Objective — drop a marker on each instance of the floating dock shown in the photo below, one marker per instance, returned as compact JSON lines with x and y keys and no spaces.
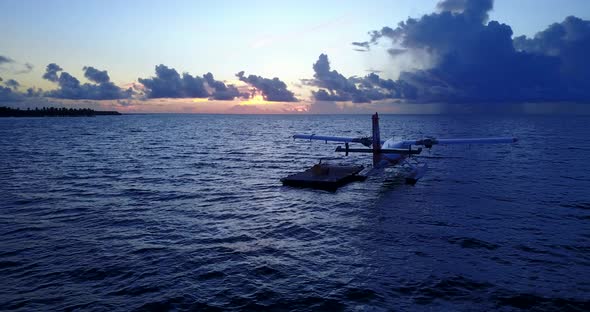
{"x":325,"y":177}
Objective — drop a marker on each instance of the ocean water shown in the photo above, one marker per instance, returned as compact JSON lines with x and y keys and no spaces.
{"x":186,"y":212}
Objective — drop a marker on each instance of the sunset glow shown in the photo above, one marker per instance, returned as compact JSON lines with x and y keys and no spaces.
{"x":257,"y":99}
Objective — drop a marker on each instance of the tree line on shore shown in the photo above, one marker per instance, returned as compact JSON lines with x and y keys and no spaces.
{"x":52,"y":112}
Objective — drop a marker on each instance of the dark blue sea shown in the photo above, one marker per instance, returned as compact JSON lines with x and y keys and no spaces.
{"x":187,"y":212}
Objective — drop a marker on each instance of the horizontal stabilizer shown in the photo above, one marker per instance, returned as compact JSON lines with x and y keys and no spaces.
{"x":364,"y":141}
{"x":429,"y":142}
{"x":400,"y":151}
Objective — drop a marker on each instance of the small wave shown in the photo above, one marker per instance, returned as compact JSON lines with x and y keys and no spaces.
{"x":136,"y":290}
{"x":211,"y":275}
{"x":26,"y":230}
{"x":534,"y":302}
{"x":266,"y":270}
{"x":436,"y":223}
{"x":9,"y":264}
{"x":470,"y":242}
{"x":581,"y":205}
{"x":309,"y":303}
{"x":575,"y":178}
{"x":361,"y":294}
{"x":532,"y":250}
{"x":455,"y":288}
{"x":178,"y":303}
{"x":290,"y":230}
{"x":228,"y":240}
{"x":149,"y":250}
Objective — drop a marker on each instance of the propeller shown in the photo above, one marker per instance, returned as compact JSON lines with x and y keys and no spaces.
{"x":366,"y":141}
{"x":428,"y":142}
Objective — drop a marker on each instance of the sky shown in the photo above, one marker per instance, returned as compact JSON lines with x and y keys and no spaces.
{"x":415,"y":65}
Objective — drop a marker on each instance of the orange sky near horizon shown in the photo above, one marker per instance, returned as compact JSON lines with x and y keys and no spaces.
{"x":256,"y":105}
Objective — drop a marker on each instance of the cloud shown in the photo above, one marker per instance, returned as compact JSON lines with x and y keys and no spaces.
{"x":125,"y":103}
{"x":9,"y":92}
{"x":273,"y":90}
{"x":71,"y":88}
{"x":169,"y":84}
{"x":11,"y":83}
{"x":5,"y":60}
{"x":26,"y":68}
{"x":222,"y":92}
{"x":32,"y":92}
{"x":395,"y":52}
{"x":13,"y":66}
{"x":335,"y":87}
{"x":51,"y":72}
{"x":95,"y":75}
{"x":472,"y":9}
{"x":8,"y":95}
{"x":363,"y":46}
{"x":569,"y":42}
{"x":471,"y":60}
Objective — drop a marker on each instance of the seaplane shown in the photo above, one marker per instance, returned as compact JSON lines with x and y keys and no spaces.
{"x":391,"y":153}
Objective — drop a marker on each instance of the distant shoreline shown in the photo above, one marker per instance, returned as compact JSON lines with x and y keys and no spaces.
{"x":54,"y":112}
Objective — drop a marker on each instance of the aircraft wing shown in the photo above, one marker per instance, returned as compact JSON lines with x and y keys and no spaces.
{"x":429,"y":142}
{"x":365,"y":141}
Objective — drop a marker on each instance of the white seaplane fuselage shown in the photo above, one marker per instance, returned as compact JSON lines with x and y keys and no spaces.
{"x":393,"y":159}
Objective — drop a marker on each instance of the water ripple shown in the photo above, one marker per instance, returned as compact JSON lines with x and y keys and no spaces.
{"x":186,"y":212}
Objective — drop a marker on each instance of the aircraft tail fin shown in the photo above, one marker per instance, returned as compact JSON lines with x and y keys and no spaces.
{"x":376,"y":141}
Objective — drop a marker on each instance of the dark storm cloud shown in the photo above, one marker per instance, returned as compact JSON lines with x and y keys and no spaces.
{"x":169,"y":84}
{"x":71,"y":88}
{"x":558,"y":38}
{"x":569,"y":42}
{"x":271,"y":89}
{"x":221,"y":91}
{"x":473,"y":60}
{"x":335,"y":87}
{"x":459,"y":20}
